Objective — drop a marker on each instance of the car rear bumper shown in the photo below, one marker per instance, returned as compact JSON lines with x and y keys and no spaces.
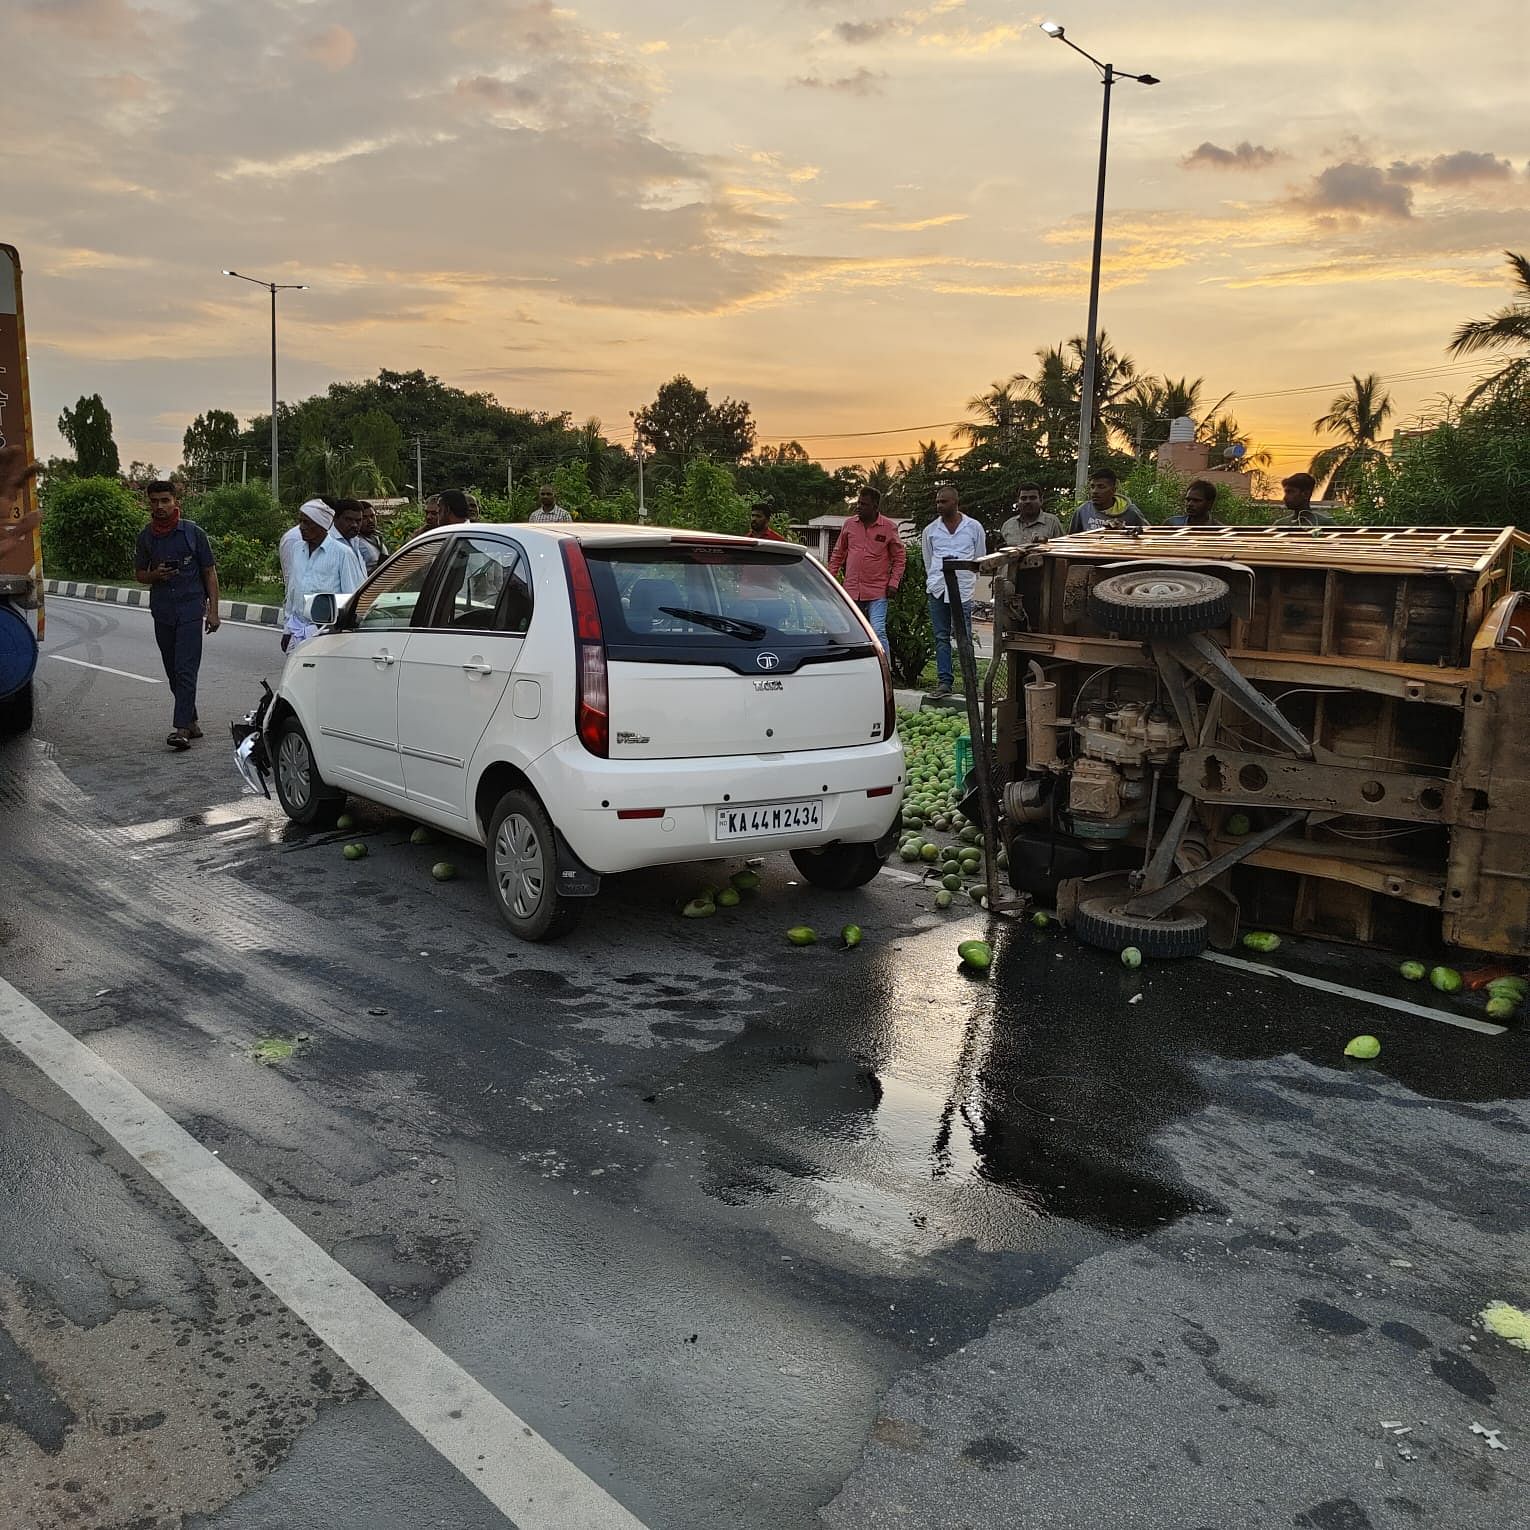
{"x":585,"y":795}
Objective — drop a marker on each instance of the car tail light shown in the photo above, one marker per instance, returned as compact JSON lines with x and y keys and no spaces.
{"x":889,"y":702}
{"x":879,"y":791}
{"x":592,"y":706}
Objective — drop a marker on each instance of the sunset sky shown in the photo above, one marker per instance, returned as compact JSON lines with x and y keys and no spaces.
{"x":852,"y":215}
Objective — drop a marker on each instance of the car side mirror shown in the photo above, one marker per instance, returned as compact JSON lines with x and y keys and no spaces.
{"x":323,"y":609}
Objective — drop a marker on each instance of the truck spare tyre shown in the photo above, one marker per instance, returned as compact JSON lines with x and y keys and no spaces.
{"x":1097,"y":923}
{"x":1159,"y":602}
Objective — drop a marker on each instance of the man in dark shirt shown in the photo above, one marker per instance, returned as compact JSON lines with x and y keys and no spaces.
{"x":175,"y":560}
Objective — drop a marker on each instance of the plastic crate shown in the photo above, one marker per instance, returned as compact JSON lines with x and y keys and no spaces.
{"x":963,"y":760}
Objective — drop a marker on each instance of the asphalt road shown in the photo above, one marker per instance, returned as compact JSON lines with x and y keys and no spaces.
{"x":751,"y":1236}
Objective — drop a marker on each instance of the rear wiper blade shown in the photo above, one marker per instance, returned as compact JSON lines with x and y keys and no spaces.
{"x":734,"y":626}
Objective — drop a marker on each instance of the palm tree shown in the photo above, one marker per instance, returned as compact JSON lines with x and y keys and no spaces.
{"x":1357,"y":418}
{"x":1221,"y":431}
{"x":1004,"y":414}
{"x":1141,"y":417}
{"x":881,"y":476}
{"x":1053,"y":389}
{"x":1504,"y":330}
{"x":1115,"y":373}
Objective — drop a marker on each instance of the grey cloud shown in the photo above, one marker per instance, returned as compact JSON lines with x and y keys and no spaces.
{"x":1243,"y":156}
{"x":494,"y":92}
{"x":1356,"y":188}
{"x":95,"y":20}
{"x":864,"y":82}
{"x":1458,"y":169}
{"x":864,"y":31}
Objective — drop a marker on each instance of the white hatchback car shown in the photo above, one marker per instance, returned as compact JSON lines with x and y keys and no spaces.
{"x":587,"y":699}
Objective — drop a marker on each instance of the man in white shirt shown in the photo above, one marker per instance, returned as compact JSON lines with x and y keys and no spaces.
{"x":951,"y":536}
{"x":322,"y":564}
{"x":548,"y":508}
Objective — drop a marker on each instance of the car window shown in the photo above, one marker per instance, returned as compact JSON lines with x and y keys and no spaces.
{"x":389,"y":600}
{"x":675,"y":594}
{"x":483,"y":588}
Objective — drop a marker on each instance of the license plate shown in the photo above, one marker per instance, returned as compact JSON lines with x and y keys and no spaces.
{"x":769,"y":818}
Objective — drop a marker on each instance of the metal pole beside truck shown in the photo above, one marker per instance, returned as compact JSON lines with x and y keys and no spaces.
{"x":21,"y":577}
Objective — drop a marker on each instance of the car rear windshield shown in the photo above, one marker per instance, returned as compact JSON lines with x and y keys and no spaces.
{"x":677,"y":596}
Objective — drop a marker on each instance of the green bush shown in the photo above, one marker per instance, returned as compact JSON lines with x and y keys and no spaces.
{"x":908,"y":624}
{"x":90,"y":528}
{"x":242,"y":561}
{"x":236,"y":509}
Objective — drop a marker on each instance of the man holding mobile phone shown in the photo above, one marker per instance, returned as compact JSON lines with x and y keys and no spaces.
{"x":175,"y":560}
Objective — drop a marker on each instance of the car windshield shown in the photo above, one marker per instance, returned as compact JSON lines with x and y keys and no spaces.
{"x":674,"y":595}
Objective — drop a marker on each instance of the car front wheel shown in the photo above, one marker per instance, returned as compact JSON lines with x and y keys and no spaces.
{"x":300,"y":789}
{"x":839,"y":867}
{"x":522,"y":854}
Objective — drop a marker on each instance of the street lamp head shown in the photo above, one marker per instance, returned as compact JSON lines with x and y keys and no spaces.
{"x":1052,"y":28}
{"x":1148,"y":79}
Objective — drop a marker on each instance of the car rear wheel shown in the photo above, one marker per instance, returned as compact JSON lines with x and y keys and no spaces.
{"x":300,"y":789}
{"x":839,"y":867}
{"x":522,"y":852}
{"x":1160,"y":602}
{"x":1096,"y":923}
{"x":16,"y":712}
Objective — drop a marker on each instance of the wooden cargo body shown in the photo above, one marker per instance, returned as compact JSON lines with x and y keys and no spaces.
{"x":1401,"y":653}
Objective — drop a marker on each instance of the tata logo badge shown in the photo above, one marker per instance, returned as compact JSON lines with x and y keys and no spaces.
{"x":766,"y":660}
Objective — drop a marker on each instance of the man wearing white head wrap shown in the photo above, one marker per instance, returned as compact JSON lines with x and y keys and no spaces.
{"x":323,"y":564}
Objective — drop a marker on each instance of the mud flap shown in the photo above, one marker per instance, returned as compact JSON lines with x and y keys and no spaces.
{"x":575,"y":879}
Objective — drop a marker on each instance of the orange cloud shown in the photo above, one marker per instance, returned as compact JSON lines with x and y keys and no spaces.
{"x":334,"y":48}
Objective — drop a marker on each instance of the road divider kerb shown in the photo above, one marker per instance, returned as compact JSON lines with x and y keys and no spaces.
{"x":138,"y":595}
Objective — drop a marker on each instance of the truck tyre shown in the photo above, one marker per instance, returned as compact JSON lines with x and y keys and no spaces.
{"x":1160,"y":603}
{"x":1097,"y":923}
{"x":838,"y":868}
{"x":522,"y":856}
{"x":16,"y":712}
{"x":300,"y":789}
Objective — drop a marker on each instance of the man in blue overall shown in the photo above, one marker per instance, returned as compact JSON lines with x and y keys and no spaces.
{"x":175,"y":560}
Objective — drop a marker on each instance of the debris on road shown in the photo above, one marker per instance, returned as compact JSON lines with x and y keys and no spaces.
{"x":278,"y":1049}
{"x":1509,"y":1323}
{"x":443,"y":871}
{"x":354,"y":852}
{"x":976,"y":954}
{"x":1490,"y":1436}
{"x":1131,"y":957}
{"x":1364,"y":1047}
{"x":850,"y":937}
{"x":801,"y":935}
{"x":1414,"y":972}
{"x":1261,"y":940}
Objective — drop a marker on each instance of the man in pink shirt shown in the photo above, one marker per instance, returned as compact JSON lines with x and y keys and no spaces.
{"x":872,"y":557}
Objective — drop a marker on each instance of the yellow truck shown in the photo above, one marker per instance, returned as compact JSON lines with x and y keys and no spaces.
{"x":21,"y":578}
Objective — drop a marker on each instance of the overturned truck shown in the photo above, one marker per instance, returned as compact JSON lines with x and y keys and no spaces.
{"x":1314,"y":730}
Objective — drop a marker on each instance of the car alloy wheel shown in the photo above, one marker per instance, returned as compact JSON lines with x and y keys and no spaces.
{"x":519,"y":867}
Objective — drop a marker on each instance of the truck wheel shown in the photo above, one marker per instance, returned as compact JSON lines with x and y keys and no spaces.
{"x":1160,"y":603}
{"x":300,"y":789}
{"x":1096,"y":923}
{"x":839,"y":868}
{"x":16,"y":712}
{"x":522,"y":854}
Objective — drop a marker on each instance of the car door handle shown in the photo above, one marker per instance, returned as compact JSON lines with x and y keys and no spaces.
{"x":478,"y":667}
{"x":382,"y":660}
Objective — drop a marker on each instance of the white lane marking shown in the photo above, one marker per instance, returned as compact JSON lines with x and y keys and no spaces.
{"x":106,"y":669}
{"x":1402,"y":1006}
{"x":513,"y":1467}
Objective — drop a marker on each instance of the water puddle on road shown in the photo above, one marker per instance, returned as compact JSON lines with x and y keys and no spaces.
{"x":905,"y":1107}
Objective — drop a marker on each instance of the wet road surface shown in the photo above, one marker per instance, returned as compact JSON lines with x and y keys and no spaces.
{"x":754,"y":1236}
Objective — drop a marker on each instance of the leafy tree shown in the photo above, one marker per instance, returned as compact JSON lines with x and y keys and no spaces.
{"x":704,"y":500}
{"x":909,"y":639}
{"x":1473,"y":469}
{"x":1221,"y":431}
{"x":90,"y":527}
{"x":235,"y":509}
{"x":1054,"y":388}
{"x":209,"y":445}
{"x":1004,"y":415}
{"x":796,"y":487}
{"x":375,"y":439}
{"x":682,"y":422}
{"x":1505,"y":330}
{"x":88,"y":429}
{"x":1357,"y":418}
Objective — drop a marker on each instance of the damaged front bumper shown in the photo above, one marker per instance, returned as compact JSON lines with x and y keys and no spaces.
{"x":249,"y":733}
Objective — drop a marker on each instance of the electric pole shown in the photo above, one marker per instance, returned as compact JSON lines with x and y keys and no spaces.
{"x":419,"y":475}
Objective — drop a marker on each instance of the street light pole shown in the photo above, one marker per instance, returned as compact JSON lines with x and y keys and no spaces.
{"x":1109,"y":74}
{"x":273,"y":288}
